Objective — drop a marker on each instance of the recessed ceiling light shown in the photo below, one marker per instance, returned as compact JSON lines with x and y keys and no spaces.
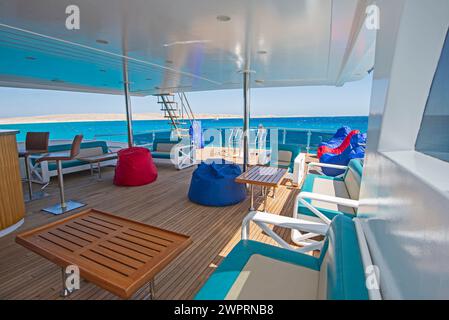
{"x":262,"y":52}
{"x":223,"y":18}
{"x":185,"y":42}
{"x":30,"y":58}
{"x":101,"y":41}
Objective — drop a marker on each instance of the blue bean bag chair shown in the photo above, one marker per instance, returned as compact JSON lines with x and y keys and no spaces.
{"x":338,"y":138}
{"x":355,"y":150}
{"x":214,"y":185}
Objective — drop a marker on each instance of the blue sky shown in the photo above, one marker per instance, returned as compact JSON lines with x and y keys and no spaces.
{"x":351,"y":99}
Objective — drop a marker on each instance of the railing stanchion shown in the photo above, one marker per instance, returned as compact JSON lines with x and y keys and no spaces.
{"x":309,"y":136}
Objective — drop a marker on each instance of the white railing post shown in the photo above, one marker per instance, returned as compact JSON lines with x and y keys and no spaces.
{"x":309,"y":137}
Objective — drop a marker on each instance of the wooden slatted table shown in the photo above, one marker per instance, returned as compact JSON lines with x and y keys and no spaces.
{"x":266,"y":177}
{"x":114,"y":253}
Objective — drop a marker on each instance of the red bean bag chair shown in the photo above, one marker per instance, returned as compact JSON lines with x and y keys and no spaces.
{"x":135,"y":167}
{"x":325,"y":149}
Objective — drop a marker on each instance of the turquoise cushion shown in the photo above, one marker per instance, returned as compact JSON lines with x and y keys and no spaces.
{"x":355,"y":165}
{"x":84,"y":145}
{"x":160,"y":155}
{"x":308,"y":187}
{"x":161,"y":140}
{"x":221,"y":281}
{"x":66,"y":164}
{"x":294,"y":149}
{"x":345,"y":273}
{"x":67,"y":147}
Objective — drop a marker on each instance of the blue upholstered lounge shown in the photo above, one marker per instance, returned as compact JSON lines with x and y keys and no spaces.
{"x":347,"y":187}
{"x":254,"y":270}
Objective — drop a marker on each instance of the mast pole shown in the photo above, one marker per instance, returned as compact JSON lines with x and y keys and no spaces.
{"x":129,"y":116}
{"x":246,"y":117}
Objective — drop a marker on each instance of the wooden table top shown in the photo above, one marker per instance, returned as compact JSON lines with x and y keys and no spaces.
{"x":99,"y":158}
{"x":263,"y":176}
{"x":114,"y":253}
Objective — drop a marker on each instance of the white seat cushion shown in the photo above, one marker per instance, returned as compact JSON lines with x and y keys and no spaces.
{"x":257,"y":281}
{"x":164,"y":147}
{"x":90,"y":152}
{"x":334,"y":188}
{"x":352,"y":182}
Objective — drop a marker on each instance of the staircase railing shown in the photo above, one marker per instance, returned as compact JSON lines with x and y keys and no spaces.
{"x":186,"y":110}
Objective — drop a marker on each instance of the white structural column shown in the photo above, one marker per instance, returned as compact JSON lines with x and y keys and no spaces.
{"x":246,"y":117}
{"x":129,"y":117}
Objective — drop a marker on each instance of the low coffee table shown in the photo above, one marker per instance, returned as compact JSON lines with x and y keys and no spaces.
{"x":117,"y":254}
{"x":97,"y":160}
{"x":266,"y":177}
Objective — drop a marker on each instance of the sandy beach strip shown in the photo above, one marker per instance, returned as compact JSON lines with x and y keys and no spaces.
{"x":101,"y":117}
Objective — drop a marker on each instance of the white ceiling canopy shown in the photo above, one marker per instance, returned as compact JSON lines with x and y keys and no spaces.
{"x":183,"y":45}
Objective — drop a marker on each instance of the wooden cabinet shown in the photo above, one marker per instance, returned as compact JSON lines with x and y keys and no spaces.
{"x":12,"y":206}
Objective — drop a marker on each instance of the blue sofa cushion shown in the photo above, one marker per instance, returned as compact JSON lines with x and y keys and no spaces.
{"x":214,"y":185}
{"x":340,"y":256}
{"x":165,"y":141}
{"x":160,"y":155}
{"x":67,"y":147}
{"x":345,"y":273}
{"x":356,"y":166}
{"x":66,"y":164}
{"x":221,"y":281}
{"x":295,"y":151}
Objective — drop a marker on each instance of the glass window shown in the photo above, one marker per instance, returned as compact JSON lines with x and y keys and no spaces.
{"x":433,"y":137}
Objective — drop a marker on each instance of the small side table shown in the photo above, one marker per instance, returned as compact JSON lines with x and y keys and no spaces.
{"x":97,"y":160}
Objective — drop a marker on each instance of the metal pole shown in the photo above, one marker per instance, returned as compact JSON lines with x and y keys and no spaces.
{"x":61,"y":184}
{"x":129,"y":118}
{"x":246,"y":118}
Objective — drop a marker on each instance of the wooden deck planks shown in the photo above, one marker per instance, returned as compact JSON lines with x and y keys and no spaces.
{"x":214,"y":231}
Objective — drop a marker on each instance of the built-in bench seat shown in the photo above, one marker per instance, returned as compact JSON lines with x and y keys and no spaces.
{"x":88,"y":149}
{"x":322,"y":197}
{"x":184,"y":156}
{"x":346,"y":187}
{"x":257,"y":271}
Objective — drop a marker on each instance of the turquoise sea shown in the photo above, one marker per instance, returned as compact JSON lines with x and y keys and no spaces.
{"x":116,"y":130}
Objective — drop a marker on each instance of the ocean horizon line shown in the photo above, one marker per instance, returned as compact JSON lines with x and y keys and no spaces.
{"x":111,"y":117}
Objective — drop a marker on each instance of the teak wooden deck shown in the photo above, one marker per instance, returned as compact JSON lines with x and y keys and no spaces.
{"x":115,"y":253}
{"x":164,"y":204}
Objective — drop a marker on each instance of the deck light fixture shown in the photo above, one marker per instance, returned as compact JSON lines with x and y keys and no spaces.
{"x":185,"y":42}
